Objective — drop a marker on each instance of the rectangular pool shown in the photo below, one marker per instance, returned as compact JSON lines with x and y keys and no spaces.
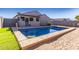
{"x":34,"y":32}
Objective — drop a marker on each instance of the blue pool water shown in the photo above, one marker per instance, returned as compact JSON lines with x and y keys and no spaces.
{"x":40,"y":31}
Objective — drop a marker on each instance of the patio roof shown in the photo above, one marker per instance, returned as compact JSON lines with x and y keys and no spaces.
{"x":32,"y":14}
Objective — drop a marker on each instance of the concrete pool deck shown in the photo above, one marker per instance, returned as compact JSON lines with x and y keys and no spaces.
{"x":69,"y":41}
{"x":28,"y":43}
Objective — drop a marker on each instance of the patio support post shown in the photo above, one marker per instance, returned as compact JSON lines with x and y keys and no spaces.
{"x":17,"y":26}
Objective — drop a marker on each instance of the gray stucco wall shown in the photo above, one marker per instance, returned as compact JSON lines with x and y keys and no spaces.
{"x":44,"y":20}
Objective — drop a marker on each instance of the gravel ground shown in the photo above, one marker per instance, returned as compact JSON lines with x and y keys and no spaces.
{"x":69,"y":41}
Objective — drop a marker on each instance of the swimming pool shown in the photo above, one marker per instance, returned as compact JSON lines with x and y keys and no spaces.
{"x":34,"y":32}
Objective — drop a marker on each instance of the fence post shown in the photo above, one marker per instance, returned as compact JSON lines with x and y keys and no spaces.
{"x":1,"y":22}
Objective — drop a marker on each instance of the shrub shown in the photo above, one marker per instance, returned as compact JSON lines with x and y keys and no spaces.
{"x":49,"y":24}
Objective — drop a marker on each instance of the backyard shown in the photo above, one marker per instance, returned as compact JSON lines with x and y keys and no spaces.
{"x":8,"y":40}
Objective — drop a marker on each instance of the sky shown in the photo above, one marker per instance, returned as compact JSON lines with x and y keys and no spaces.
{"x":51,"y":12}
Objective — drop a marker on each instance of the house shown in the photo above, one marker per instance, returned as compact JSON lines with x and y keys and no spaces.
{"x":63,"y":22}
{"x":33,"y":18}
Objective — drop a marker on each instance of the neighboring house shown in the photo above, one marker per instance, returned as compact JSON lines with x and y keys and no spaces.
{"x":33,"y":18}
{"x":63,"y":21}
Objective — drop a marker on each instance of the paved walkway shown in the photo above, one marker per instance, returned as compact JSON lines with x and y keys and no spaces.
{"x":68,"y":41}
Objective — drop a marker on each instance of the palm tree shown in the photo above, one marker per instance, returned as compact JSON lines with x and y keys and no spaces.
{"x":77,"y":17}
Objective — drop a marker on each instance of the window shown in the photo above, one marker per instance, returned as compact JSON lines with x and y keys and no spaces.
{"x":22,"y":18}
{"x":37,"y":19}
{"x":26,"y":20}
{"x":31,"y":19}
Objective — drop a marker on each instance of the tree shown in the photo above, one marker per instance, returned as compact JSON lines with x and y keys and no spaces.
{"x":77,"y":17}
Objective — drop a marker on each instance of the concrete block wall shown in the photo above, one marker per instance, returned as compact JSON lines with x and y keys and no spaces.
{"x":8,"y":23}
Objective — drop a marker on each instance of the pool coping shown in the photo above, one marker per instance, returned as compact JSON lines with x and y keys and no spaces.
{"x":26,"y":43}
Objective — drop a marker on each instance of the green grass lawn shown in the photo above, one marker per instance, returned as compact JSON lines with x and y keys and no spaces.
{"x":7,"y":40}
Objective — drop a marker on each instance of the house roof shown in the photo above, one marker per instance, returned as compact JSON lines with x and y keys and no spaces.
{"x":32,"y":13}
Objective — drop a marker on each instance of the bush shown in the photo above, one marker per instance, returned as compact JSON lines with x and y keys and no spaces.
{"x":49,"y":24}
